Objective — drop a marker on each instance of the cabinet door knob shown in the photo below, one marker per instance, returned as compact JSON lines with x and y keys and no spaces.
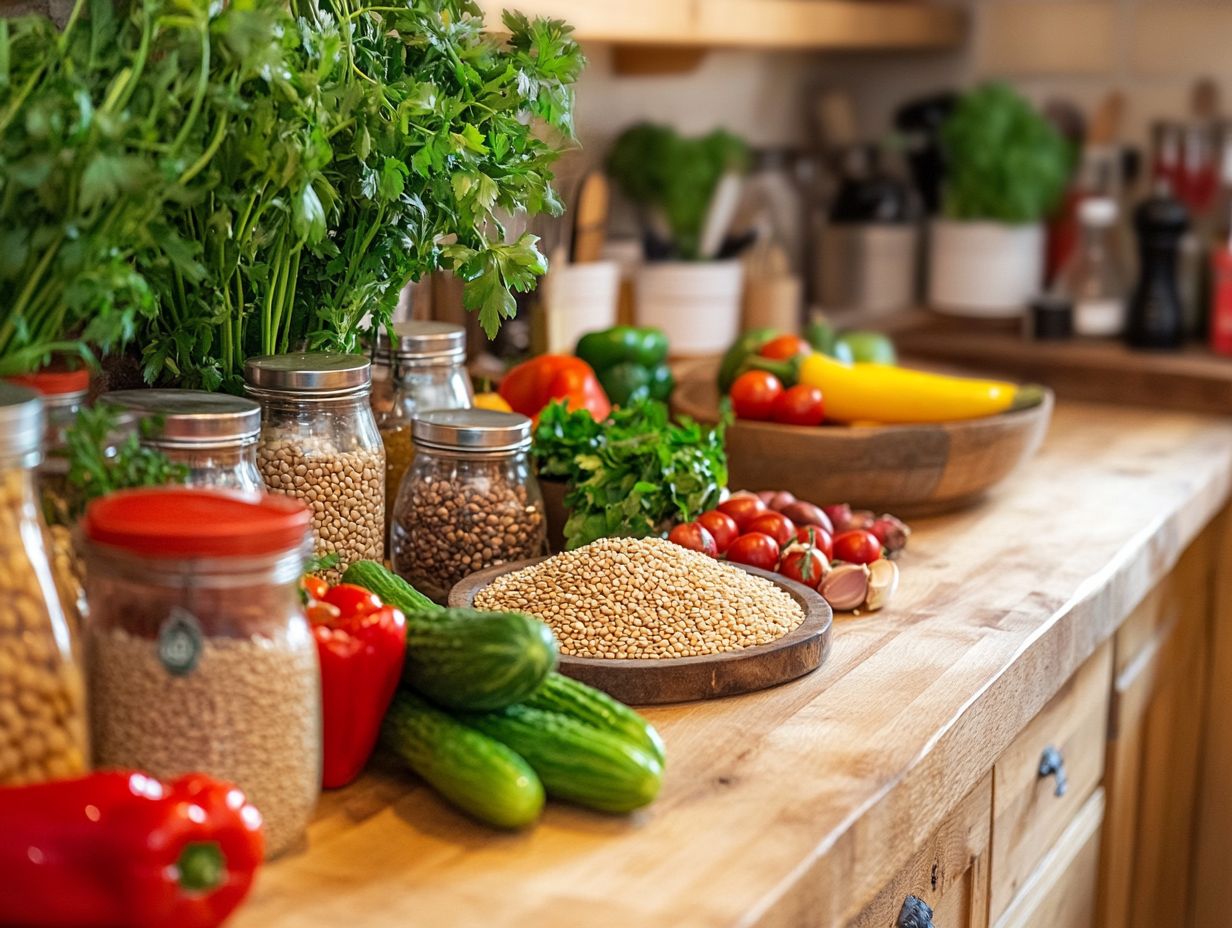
{"x":915,"y":913}
{"x":1052,"y":764}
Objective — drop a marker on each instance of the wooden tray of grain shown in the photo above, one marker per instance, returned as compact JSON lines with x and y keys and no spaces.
{"x":653,"y":681}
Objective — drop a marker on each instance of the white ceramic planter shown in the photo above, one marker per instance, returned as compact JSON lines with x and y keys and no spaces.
{"x":579,"y":298}
{"x":695,"y":303}
{"x":986,"y":269}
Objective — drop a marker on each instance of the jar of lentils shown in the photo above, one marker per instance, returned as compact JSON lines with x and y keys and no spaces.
{"x":319,"y":443}
{"x":469,"y":501}
{"x":198,"y":651}
{"x":42,"y":696}
{"x":212,"y":434}
{"x":416,"y":366}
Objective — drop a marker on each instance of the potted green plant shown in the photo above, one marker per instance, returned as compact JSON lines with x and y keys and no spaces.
{"x":198,"y":182}
{"x":685,"y":190}
{"x":1006,"y":168}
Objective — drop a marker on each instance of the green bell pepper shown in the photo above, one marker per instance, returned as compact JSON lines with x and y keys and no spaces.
{"x":631,"y":362}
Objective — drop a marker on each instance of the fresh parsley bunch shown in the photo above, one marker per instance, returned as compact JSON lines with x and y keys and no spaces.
{"x":633,"y":474}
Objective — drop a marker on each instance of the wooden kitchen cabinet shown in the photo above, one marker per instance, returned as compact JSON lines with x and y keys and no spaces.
{"x":799,"y":24}
{"x":949,"y":874}
{"x":1154,"y":750}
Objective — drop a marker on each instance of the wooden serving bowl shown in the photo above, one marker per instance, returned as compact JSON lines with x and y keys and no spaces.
{"x":904,"y":469}
{"x":647,"y":682}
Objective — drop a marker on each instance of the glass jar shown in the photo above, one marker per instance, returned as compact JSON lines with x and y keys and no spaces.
{"x":319,"y":443}
{"x":424,"y":366}
{"x":212,"y":434}
{"x":63,"y":393}
{"x":42,"y":697}
{"x":199,"y":655}
{"x":469,"y":501}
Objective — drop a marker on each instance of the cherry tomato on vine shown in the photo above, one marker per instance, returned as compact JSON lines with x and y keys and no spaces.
{"x":755,"y":549}
{"x":804,"y":565}
{"x":800,"y":405}
{"x":753,"y":394}
{"x":817,"y":537}
{"x":785,"y":347}
{"x":857,"y":547}
{"x":776,"y":525}
{"x":743,"y":510}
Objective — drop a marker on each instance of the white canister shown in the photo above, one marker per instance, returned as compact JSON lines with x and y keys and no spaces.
{"x":579,"y":298}
{"x":695,"y":303}
{"x":986,"y":269}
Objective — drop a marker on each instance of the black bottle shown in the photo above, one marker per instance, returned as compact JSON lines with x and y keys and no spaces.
{"x":1156,"y":319}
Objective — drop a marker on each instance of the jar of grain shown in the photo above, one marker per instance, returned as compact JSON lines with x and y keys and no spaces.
{"x":421,"y":366}
{"x":42,"y":698}
{"x":319,"y":443}
{"x":212,"y":434}
{"x":469,"y":501}
{"x":198,"y":652}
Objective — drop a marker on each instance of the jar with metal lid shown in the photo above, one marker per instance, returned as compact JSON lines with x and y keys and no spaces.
{"x":469,"y":501}
{"x":319,"y":443}
{"x":424,"y":365}
{"x":63,"y":393}
{"x":199,"y":655}
{"x":214,"y":435}
{"x":42,"y":697}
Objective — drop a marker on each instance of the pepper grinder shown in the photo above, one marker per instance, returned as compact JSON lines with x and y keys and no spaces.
{"x":1156,"y":318}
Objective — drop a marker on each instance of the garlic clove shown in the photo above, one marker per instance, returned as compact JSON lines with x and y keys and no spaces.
{"x":845,"y":586}
{"x":882,"y":582}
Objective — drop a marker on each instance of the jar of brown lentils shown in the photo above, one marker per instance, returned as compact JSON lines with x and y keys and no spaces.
{"x":469,"y":501}
{"x":42,"y":696}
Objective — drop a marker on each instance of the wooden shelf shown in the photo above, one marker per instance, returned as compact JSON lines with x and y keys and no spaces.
{"x":793,"y":24}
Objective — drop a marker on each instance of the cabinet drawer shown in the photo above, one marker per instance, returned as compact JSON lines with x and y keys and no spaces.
{"x":949,"y":873}
{"x":1028,"y":814}
{"x":1061,"y":892}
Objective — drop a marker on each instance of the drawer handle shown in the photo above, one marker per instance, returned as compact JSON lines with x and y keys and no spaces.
{"x":915,"y":913}
{"x":1052,"y":764}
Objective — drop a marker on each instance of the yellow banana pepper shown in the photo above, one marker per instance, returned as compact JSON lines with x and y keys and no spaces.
{"x":492,"y":401}
{"x":888,"y":394}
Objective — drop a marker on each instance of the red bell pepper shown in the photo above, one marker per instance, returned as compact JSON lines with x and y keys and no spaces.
{"x":533,"y":384}
{"x":120,"y":849}
{"x":361,"y":644}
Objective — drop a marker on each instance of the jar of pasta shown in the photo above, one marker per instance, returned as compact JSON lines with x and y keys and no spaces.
{"x":42,"y":699}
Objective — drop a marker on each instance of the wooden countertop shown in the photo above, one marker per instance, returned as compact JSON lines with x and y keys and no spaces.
{"x":792,"y":806}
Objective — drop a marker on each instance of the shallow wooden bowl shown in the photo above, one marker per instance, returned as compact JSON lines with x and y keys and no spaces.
{"x":684,"y":679}
{"x":903,"y":469}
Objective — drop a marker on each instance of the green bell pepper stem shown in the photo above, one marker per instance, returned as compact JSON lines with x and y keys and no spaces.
{"x":747,"y":344}
{"x":788,"y":372}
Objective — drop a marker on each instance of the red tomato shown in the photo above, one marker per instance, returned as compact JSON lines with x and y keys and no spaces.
{"x":695,"y":537}
{"x":804,"y":565}
{"x":721,"y":526}
{"x":857,"y":547}
{"x":743,"y":510}
{"x":801,"y":405}
{"x":352,"y":600}
{"x":785,"y":347}
{"x":756,"y":550}
{"x":817,"y":537}
{"x":315,"y":587}
{"x":776,"y":525}
{"x":753,"y":394}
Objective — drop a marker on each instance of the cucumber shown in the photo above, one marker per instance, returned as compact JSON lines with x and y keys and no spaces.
{"x":575,"y":761}
{"x":477,"y":661}
{"x":391,"y":588}
{"x":599,"y":710}
{"x":479,"y":775}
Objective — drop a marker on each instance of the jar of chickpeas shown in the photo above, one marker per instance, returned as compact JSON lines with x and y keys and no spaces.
{"x":42,"y":698}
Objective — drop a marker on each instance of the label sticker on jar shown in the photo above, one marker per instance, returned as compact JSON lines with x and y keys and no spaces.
{"x":179,"y":642}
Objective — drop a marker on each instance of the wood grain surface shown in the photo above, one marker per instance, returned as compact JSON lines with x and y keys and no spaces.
{"x":904,"y":469}
{"x":795,"y":805}
{"x":684,"y":679}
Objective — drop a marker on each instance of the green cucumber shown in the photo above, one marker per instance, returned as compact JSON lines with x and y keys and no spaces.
{"x":477,"y":661}
{"x":599,"y":710}
{"x":478,"y":774}
{"x":575,"y":761}
{"x":392,"y":589}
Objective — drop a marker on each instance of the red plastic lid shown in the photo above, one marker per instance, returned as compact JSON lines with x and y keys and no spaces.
{"x":54,"y":383}
{"x":185,"y":522}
